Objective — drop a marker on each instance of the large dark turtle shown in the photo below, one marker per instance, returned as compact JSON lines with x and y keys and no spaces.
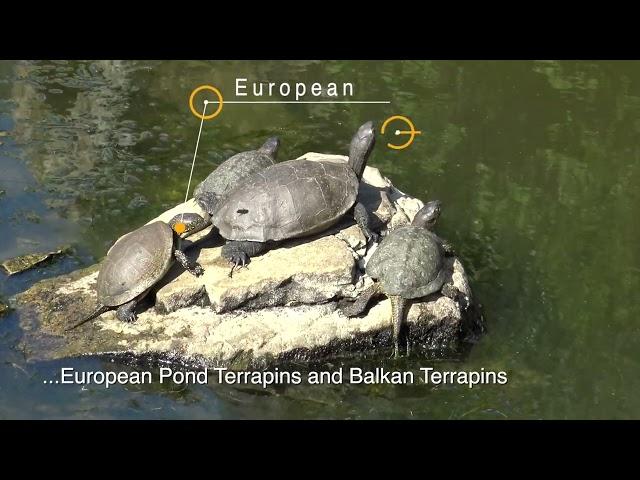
{"x":139,"y":260}
{"x":293,"y":199}
{"x":232,"y":171}
{"x":408,"y":264}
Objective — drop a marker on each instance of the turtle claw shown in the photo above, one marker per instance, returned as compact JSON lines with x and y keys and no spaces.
{"x":127,"y":316}
{"x":239,"y":259}
{"x":126,"y":312}
{"x":197,"y":270}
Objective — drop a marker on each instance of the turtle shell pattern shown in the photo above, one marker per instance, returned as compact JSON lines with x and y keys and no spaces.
{"x":287,"y":200}
{"x":135,"y":263}
{"x":408,"y":263}
{"x":230,"y":172}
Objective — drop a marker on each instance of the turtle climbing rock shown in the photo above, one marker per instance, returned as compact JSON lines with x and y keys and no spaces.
{"x":139,"y":260}
{"x":233,"y":171}
{"x":408,"y":264}
{"x":293,"y":199}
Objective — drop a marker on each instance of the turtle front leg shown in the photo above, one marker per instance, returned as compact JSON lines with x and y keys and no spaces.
{"x":194,"y":268}
{"x":361,"y":216}
{"x":239,"y":252}
{"x":126,"y":312}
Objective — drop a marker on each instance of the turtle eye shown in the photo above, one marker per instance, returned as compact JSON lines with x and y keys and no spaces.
{"x":242,"y":211}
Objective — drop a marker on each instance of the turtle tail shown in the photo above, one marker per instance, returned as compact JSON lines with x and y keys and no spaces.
{"x":100,"y":309}
{"x":397,"y":316}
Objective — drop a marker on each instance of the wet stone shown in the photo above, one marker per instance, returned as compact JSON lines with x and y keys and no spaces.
{"x":26,"y":262}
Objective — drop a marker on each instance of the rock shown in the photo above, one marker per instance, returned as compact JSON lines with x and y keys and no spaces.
{"x":4,"y":309}
{"x":297,"y":273}
{"x":280,"y":308}
{"x":239,"y":339}
{"x":409,"y":206}
{"x":399,"y":219}
{"x":362,"y":261}
{"x":385,"y":209}
{"x":353,"y":236}
{"x":27,"y":262}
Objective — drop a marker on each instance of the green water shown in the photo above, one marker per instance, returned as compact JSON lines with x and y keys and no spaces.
{"x":536,"y":163}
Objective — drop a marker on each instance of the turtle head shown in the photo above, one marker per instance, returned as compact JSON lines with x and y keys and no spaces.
{"x":361,"y":146}
{"x":428,"y":215}
{"x":270,"y":147}
{"x":185,"y":224}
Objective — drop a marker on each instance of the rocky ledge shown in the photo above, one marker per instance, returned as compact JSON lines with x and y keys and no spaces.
{"x":280,"y":309}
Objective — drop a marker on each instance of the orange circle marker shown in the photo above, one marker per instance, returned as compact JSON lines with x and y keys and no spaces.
{"x":412,"y":132}
{"x":210,"y":89}
{"x":180,"y":228}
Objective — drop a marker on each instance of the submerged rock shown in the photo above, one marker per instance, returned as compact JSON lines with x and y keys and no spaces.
{"x":280,"y":308}
{"x":27,"y":262}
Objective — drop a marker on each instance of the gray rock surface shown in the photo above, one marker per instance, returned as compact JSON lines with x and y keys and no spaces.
{"x":281,"y":308}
